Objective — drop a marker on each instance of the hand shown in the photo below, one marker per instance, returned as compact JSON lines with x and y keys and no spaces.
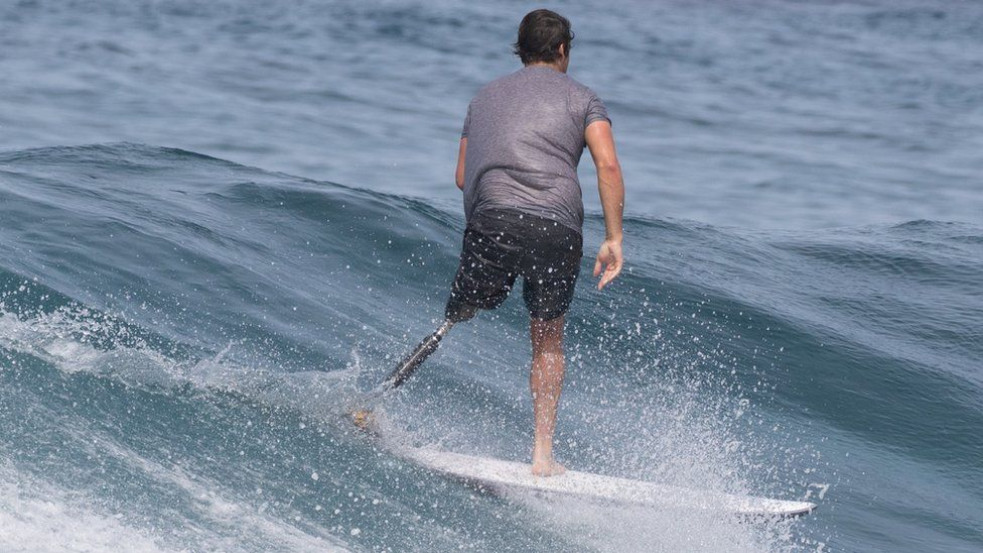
{"x":610,"y":258}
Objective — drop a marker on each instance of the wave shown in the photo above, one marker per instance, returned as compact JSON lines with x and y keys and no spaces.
{"x":190,"y":315}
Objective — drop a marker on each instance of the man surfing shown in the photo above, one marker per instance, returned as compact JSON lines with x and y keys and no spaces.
{"x":517,"y":166}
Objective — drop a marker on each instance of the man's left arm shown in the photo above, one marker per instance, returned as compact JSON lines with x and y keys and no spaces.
{"x":461,"y":154}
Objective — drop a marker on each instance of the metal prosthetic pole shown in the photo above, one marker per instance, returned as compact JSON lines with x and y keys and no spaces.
{"x":412,"y":361}
{"x":363,"y":418}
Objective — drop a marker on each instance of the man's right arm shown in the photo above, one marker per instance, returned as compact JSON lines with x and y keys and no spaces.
{"x":611,"y":188}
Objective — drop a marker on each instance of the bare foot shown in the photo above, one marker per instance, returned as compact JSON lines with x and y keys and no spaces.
{"x":547,"y":468}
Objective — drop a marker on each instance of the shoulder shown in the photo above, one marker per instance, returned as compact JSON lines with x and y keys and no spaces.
{"x":581,"y":89}
{"x":588,"y":103}
{"x":505,"y":81}
{"x":584,"y":99}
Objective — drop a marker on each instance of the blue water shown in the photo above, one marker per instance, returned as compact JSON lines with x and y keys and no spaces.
{"x":222,"y":223}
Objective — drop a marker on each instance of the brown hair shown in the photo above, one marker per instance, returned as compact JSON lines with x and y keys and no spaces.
{"x":541,"y":33}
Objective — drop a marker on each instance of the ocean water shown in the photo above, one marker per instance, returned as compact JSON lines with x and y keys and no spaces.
{"x":222,"y":223}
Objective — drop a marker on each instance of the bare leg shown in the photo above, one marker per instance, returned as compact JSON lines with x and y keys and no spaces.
{"x":546,"y":383}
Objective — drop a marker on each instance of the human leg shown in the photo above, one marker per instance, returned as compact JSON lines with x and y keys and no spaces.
{"x":550,"y":269}
{"x":546,"y":383}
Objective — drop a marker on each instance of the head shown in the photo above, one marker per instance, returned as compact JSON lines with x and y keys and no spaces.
{"x":544,"y":37}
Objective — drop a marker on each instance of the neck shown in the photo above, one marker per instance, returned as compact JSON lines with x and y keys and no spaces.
{"x":555,"y":66}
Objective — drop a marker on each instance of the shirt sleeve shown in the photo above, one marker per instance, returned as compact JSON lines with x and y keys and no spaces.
{"x":595,"y":110}
{"x":467,"y":123}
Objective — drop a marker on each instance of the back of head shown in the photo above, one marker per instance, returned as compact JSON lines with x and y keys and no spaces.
{"x":541,"y":33}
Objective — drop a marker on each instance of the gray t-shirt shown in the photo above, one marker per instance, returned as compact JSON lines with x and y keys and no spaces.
{"x":525,"y":137}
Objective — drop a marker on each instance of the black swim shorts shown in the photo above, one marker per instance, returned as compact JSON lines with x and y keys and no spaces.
{"x":502,"y":245}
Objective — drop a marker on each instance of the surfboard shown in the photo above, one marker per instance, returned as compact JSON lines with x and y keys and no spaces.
{"x":503,"y":477}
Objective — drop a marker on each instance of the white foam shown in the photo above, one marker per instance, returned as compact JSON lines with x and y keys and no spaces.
{"x":38,"y":516}
{"x":63,"y":339}
{"x":629,"y":530}
{"x":35,"y":518}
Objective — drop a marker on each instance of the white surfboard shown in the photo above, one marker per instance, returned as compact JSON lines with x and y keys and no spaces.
{"x":498,"y":476}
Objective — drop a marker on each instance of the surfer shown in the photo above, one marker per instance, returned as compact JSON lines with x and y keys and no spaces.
{"x":517,"y":166}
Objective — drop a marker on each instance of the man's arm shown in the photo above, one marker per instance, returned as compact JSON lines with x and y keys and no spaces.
{"x":459,"y":173}
{"x":611,"y":188}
